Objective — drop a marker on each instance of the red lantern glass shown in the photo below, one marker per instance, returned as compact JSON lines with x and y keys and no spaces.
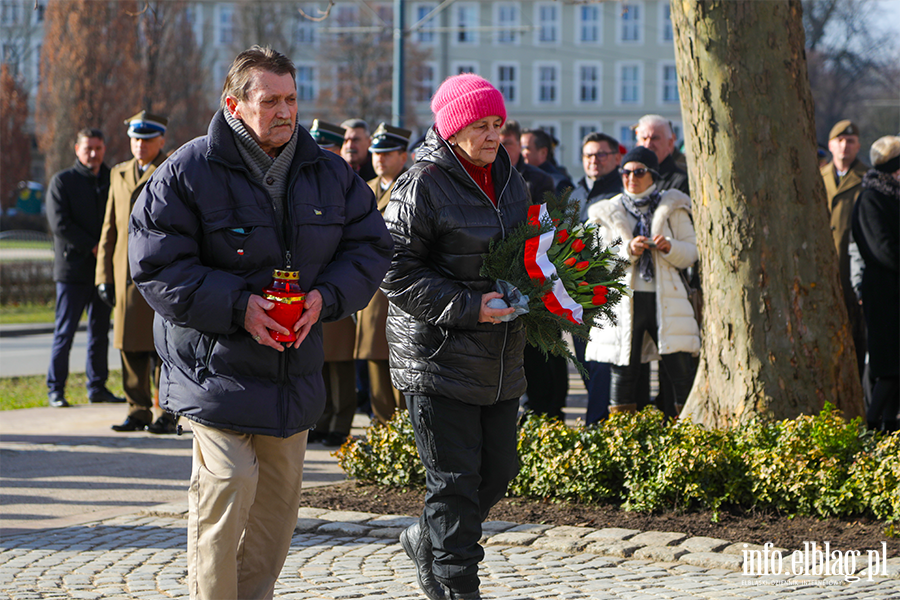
{"x":289,"y":300}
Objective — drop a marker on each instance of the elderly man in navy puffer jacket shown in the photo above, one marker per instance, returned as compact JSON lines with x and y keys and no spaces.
{"x":214,"y":221}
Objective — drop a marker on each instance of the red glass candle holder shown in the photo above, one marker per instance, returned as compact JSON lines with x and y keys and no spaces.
{"x":289,"y":300}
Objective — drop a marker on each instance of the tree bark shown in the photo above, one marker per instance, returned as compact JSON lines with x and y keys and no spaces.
{"x":776,"y":338}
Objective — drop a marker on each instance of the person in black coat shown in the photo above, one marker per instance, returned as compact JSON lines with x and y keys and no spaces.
{"x":459,"y":365}
{"x":876,"y":230}
{"x":547,"y":376}
{"x":76,"y":203}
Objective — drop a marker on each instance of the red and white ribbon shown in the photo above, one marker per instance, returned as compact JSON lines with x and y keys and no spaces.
{"x":540,"y":267}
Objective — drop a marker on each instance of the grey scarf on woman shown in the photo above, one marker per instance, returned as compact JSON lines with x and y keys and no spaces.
{"x":632,"y":205}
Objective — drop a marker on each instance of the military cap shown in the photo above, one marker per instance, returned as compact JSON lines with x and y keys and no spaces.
{"x":388,"y":138}
{"x":327,"y":135}
{"x":845,"y":127}
{"x":146,"y":125}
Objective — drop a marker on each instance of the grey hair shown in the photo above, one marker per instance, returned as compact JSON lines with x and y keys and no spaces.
{"x":657,"y":120}
{"x":355,"y":124}
{"x":884,"y":149}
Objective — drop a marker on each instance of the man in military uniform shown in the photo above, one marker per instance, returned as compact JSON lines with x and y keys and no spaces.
{"x":843,"y":183}
{"x":133,"y":318}
{"x":327,"y":135}
{"x":389,"y":158}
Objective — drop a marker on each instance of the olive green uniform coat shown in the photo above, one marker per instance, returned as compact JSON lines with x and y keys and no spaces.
{"x":133,"y":318}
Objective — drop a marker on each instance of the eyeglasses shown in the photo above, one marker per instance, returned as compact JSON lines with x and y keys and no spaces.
{"x":640,"y":172}
{"x":599,"y":155}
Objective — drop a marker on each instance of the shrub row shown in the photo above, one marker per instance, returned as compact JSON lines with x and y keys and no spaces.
{"x":812,"y":465}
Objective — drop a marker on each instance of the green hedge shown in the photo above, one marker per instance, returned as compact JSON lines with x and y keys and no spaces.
{"x":812,"y":465}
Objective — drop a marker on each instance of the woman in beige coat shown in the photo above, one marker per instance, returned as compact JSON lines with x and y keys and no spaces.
{"x":658,"y":240}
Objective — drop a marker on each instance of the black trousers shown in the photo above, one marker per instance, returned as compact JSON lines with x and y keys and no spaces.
{"x":469,"y":453}
{"x":882,"y":412}
{"x":679,"y":366}
{"x":548,"y":383}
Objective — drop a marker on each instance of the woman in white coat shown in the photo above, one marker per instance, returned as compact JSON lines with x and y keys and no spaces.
{"x":658,"y":240}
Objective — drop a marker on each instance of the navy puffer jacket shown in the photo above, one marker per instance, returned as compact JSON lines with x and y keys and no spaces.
{"x":442,"y":223}
{"x":204,"y":238}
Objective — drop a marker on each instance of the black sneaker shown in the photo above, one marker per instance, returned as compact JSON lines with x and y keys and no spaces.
{"x":57,"y":400}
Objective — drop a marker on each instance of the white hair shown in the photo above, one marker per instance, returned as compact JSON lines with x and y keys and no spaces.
{"x":884,"y":149}
{"x":655,"y":121}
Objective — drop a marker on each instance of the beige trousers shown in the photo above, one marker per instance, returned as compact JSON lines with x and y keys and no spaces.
{"x":242,"y":510}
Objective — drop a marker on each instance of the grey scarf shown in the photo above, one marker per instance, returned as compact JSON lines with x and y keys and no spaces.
{"x":270,"y":172}
{"x":632,"y":205}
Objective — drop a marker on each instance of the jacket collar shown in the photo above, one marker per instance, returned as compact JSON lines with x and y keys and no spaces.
{"x":611,"y":182}
{"x":83,"y":170}
{"x":222,"y":146}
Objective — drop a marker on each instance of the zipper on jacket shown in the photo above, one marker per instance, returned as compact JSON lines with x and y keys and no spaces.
{"x":502,"y":235}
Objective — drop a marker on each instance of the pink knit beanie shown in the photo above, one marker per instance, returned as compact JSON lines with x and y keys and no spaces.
{"x":463,"y":99}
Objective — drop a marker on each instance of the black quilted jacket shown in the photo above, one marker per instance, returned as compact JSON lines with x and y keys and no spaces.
{"x":442,"y":223}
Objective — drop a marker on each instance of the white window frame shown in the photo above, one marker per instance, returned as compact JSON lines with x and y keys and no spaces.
{"x":661,"y":38}
{"x":579,"y":24}
{"x":10,"y":12}
{"x":539,"y":65}
{"x":576,"y":91}
{"x":456,"y":65}
{"x":221,"y":9}
{"x":513,"y":25}
{"x":576,"y":132}
{"x":629,"y":140}
{"x":641,"y":24}
{"x":433,"y":83}
{"x":660,"y":78}
{"x":426,"y":30}
{"x":517,"y":82}
{"x":556,"y":25}
{"x":457,"y":8}
{"x":640,"y":82}
{"x":313,"y":82}
{"x":554,"y":128}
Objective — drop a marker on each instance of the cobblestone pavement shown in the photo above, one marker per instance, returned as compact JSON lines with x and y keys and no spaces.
{"x":342,"y":555}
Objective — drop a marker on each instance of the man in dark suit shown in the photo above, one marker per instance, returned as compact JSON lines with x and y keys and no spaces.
{"x":76,"y":202}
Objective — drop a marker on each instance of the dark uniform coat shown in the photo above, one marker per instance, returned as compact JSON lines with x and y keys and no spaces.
{"x":132,"y":316}
{"x":371,"y":340}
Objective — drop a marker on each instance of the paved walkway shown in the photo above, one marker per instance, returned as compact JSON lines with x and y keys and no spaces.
{"x":87,"y":513}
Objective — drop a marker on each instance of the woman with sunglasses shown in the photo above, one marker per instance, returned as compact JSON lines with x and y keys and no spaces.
{"x":657,"y":238}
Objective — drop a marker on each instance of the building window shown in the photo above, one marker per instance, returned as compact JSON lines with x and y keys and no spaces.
{"x":583,"y":129}
{"x":629,"y":83}
{"x":225,"y":25}
{"x":547,"y":17}
{"x":9,"y":12}
{"x":668,"y":83}
{"x":220,"y":70}
{"x":626,"y":134}
{"x":666,"y":34}
{"x":588,"y":78}
{"x":39,"y":8}
{"x":547,"y":78}
{"x":466,"y":17}
{"x":458,"y":68}
{"x":426,"y":85}
{"x":37,"y":65}
{"x":11,"y":58}
{"x":553,"y":128}
{"x":589,"y":24}
{"x":508,"y":81}
{"x":424,"y":34}
{"x":631,"y":23}
{"x":506,"y":18}
{"x":304,"y":29}
{"x":306,"y":83}
{"x":193,"y":15}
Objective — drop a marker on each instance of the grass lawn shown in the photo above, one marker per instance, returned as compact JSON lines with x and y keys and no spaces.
{"x":27,"y":313}
{"x":31,"y":391}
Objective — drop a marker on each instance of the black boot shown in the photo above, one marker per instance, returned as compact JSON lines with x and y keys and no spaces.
{"x":417,"y":544}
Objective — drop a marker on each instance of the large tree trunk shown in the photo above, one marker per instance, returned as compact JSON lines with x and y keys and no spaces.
{"x":776,"y":339}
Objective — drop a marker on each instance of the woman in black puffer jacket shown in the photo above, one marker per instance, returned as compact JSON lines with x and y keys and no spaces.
{"x":459,"y":366}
